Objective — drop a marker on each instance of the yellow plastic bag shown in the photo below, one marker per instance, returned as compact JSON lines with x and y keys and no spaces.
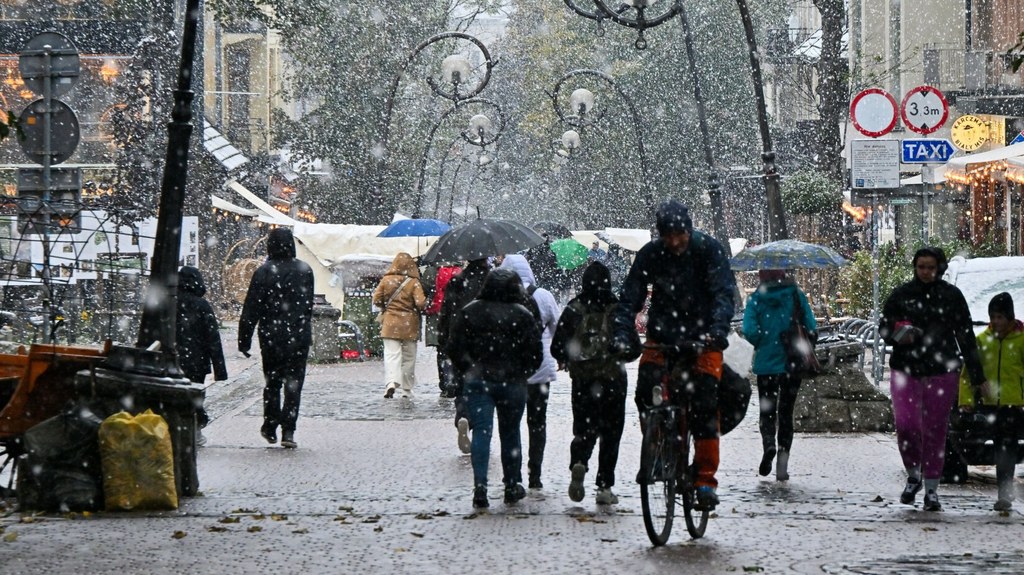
{"x":138,"y":462}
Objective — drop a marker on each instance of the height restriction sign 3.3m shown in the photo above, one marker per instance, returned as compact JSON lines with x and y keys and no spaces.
{"x":874,"y":112}
{"x":924,"y":110}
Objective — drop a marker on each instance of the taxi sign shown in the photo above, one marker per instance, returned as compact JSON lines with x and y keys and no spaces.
{"x":926,"y":151}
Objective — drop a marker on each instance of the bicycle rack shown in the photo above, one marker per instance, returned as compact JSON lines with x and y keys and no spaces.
{"x":349,"y":330}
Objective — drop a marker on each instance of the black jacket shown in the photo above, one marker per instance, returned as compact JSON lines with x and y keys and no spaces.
{"x":198,"y":336}
{"x":596,"y":296}
{"x":940,"y":311}
{"x":462,"y":289}
{"x":279,"y":301}
{"x":495,"y":338}
{"x":691,"y":294}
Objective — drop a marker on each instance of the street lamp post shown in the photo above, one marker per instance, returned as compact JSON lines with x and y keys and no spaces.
{"x":641,"y":20}
{"x":582,"y":103}
{"x":456,"y":73}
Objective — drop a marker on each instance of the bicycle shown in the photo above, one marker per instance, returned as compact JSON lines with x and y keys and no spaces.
{"x":667,"y":442}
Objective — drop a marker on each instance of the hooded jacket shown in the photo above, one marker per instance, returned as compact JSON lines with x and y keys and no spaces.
{"x":548,"y":310}
{"x":198,"y":335}
{"x":596,"y":296}
{"x":402,"y":315}
{"x":495,"y":338}
{"x":1003,"y":362}
{"x":940,"y":311}
{"x":461,"y":290}
{"x":767,"y":316}
{"x":279,"y":301}
{"x":691,"y":293}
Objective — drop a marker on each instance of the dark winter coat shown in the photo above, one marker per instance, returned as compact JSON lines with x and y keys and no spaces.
{"x":691,"y":294}
{"x":940,"y":311}
{"x":768,"y":315}
{"x":596,"y":296}
{"x":279,"y":301}
{"x":198,"y":335}
{"x":495,"y":338}
{"x":462,"y":289}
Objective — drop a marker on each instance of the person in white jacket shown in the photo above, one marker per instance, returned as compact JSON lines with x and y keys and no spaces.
{"x":540,"y":382}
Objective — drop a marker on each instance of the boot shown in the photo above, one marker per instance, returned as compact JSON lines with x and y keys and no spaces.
{"x":766,"y":461}
{"x":1004,"y":479}
{"x":782,"y":466}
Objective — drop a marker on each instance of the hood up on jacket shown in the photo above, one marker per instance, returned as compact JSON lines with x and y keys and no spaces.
{"x":280,"y":244}
{"x":503,"y":285}
{"x":190,"y":280}
{"x":404,"y":265}
{"x":596,"y":285}
{"x":519,"y":264}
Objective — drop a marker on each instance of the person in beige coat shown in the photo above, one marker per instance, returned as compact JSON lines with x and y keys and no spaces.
{"x":401,"y":296}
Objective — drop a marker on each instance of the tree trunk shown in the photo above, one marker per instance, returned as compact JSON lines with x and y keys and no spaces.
{"x":832,"y":102}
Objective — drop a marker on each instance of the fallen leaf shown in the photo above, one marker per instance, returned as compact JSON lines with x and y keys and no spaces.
{"x":401,"y":550}
{"x":930,"y":528}
{"x":10,"y":537}
{"x":341,"y":518}
{"x":254,"y":529}
{"x":301,"y":531}
{"x":278,"y":516}
{"x":864,"y":529}
{"x":877,"y":499}
{"x":372,"y":519}
{"x":441,"y":514}
{"x":345,"y":508}
{"x":609,"y":540}
{"x":414,"y":534}
{"x":28,"y":519}
{"x":216,"y":528}
{"x":229,"y":520}
{"x":244,"y":510}
{"x":259,"y":517}
{"x":378,"y":529}
{"x":424,"y":516}
{"x":753,"y":569}
{"x":179,"y":535}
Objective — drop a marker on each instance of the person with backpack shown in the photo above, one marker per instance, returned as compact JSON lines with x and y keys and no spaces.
{"x":545,"y":308}
{"x":581,"y":345}
{"x":434,"y":281}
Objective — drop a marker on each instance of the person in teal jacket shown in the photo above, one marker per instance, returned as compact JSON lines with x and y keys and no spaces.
{"x":1001,"y":347}
{"x":767,"y":315}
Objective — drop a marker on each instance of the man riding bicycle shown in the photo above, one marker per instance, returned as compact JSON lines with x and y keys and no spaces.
{"x":692,"y":291}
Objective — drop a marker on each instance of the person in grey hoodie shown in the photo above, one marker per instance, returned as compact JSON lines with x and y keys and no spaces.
{"x":539,"y":384}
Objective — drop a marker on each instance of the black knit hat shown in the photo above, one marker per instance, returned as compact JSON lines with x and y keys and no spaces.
{"x":673,"y":217}
{"x":1002,"y":303}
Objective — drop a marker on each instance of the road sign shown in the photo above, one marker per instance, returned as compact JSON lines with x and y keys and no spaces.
{"x":875,"y":164}
{"x":64,"y":132}
{"x":873,"y":112}
{"x":924,"y":110}
{"x":1017,"y":139}
{"x":54,"y":208}
{"x":49,"y":57}
{"x":926,"y":151}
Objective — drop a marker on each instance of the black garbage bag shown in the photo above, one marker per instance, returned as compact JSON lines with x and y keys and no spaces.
{"x":733,"y":398}
{"x":61,"y":469}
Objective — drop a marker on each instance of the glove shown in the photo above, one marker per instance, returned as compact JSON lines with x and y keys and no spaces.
{"x":714,"y":342}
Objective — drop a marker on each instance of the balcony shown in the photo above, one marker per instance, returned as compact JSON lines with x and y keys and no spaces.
{"x":956,"y":70}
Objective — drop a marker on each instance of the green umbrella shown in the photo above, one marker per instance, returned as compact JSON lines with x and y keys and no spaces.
{"x":569,"y":253}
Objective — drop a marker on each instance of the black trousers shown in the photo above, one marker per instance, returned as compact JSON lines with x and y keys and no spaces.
{"x":777,"y":394}
{"x":1007,"y":432}
{"x":202,"y":418}
{"x":598,"y":414}
{"x":285,"y":373}
{"x":537,"y":425}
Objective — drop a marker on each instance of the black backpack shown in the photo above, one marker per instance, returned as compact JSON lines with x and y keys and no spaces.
{"x":590,"y":342}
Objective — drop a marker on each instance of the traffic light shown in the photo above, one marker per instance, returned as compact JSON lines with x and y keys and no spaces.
{"x":60,"y":211}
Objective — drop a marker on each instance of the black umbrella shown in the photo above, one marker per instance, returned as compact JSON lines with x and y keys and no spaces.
{"x":554,"y":230}
{"x":482,"y":238}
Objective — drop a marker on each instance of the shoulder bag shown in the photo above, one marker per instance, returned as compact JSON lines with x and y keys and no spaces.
{"x":799,"y":345}
{"x":380,"y":315}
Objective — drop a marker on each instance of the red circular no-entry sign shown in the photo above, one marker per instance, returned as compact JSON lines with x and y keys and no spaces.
{"x":874,"y":112}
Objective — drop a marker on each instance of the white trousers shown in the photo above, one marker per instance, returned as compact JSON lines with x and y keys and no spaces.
{"x":400,"y":363}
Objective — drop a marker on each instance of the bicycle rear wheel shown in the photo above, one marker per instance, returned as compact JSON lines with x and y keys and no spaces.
{"x":696,"y":519}
{"x":658,"y":485}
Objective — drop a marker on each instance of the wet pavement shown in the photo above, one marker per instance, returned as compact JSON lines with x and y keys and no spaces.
{"x":379,"y":486}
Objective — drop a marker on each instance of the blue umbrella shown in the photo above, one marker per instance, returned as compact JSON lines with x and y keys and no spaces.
{"x":786,"y":255}
{"x":414,"y":227}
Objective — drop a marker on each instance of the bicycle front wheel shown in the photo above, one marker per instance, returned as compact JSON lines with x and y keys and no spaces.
{"x":658,"y":483}
{"x":696,"y":519}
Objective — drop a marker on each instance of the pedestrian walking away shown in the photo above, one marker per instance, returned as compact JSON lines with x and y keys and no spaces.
{"x":495,"y":343}
{"x":1001,"y":397}
{"x":539,"y":384}
{"x":928,"y":325}
{"x":400,"y":295}
{"x":198,"y":338}
{"x":435,"y":281}
{"x":279,"y":304}
{"x":769,"y":312}
{"x":582,"y":346}
{"x":462,"y":289}
{"x":691,"y":296}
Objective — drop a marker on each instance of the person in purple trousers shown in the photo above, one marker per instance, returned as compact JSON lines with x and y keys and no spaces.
{"x":928,"y":325}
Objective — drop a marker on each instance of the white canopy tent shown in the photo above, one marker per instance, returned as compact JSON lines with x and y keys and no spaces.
{"x":959,"y":170}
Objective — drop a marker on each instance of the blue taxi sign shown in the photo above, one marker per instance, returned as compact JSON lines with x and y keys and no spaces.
{"x":926,"y":151}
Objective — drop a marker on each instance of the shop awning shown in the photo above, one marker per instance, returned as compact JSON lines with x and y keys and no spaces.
{"x":1015,"y":170}
{"x":959,"y":170}
{"x":229,"y":156}
{"x":265,"y":212}
{"x":222,"y":204}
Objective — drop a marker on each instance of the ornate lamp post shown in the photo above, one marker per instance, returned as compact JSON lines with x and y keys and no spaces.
{"x":636,"y":14}
{"x":585,"y":113}
{"x":456,"y":74}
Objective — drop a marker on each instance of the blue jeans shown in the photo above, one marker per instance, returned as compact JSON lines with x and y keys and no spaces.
{"x":482,"y":398}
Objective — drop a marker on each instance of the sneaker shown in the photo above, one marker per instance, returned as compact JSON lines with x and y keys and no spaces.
{"x":269,"y":433}
{"x":766,"y":462}
{"x":576,"y":489}
{"x":535,"y":483}
{"x":707,"y":499}
{"x":389,"y":392}
{"x":480,"y":497}
{"x":1003,"y":505}
{"x":931,"y":501}
{"x":465,"y":444}
{"x":200,"y":439}
{"x":514,"y":493}
{"x":406,"y":394}
{"x":288,"y":440}
{"x":606,"y":497}
{"x":910,"y":491}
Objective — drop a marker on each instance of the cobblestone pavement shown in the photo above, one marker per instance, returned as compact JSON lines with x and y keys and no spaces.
{"x":379,"y":486}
